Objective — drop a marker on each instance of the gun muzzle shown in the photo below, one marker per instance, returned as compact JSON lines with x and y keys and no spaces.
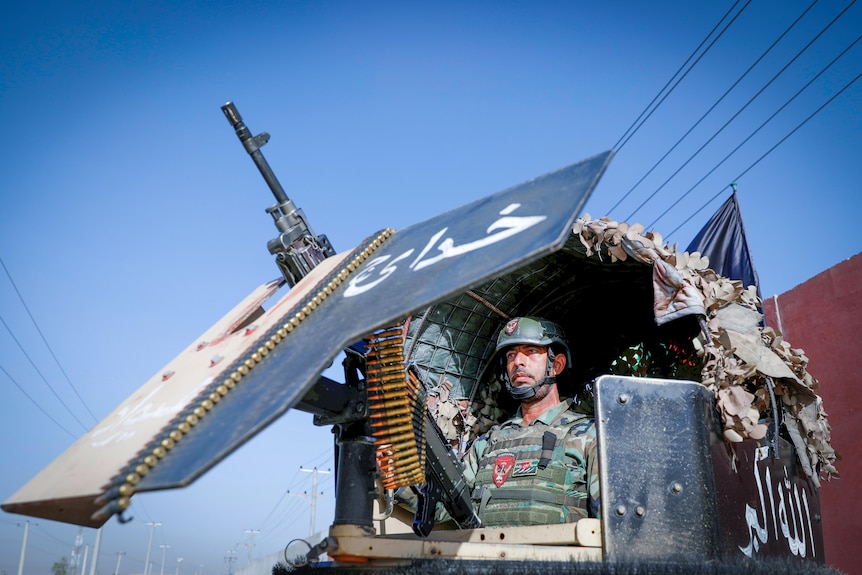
{"x":297,"y":248}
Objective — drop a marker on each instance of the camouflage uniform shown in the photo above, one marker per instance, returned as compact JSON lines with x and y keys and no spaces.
{"x":546,"y":472}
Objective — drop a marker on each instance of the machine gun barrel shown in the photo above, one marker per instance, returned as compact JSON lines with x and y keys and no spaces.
{"x":252,"y":145}
{"x":297,"y":249}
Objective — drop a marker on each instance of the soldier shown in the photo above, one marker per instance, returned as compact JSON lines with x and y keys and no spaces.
{"x":540,"y":466}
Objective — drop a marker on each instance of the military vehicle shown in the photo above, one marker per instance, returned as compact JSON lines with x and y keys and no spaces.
{"x":712,"y":439}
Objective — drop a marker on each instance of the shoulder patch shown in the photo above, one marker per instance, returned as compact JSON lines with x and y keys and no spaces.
{"x":503,"y":467}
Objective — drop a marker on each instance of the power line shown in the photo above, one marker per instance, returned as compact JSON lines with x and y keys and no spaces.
{"x":627,"y":136}
{"x":29,"y":359}
{"x":829,"y":101}
{"x":45,"y":341}
{"x":732,"y":118}
{"x":769,"y":151}
{"x":675,"y":74}
{"x":274,"y":507}
{"x":807,"y":84}
{"x":273,"y":519}
{"x":49,"y":535}
{"x":281,"y":522}
{"x":711,"y":108}
{"x":27,"y":395}
{"x":139,"y":505}
{"x":280,"y":499}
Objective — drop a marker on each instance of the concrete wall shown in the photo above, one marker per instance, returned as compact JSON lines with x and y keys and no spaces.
{"x":823,"y":316}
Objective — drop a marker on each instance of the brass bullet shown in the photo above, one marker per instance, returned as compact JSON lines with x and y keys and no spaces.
{"x":399,"y":428}
{"x":390,"y":413}
{"x":393,"y":421}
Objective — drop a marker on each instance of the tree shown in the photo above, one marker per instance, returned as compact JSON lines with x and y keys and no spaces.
{"x":60,"y":567}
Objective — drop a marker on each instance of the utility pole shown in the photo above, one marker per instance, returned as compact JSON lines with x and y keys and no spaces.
{"x":23,"y":548}
{"x":149,"y":546}
{"x":84,"y":563}
{"x":229,"y":558}
{"x":119,"y":557}
{"x":314,"y":473}
{"x":96,"y":546}
{"x":164,"y":550}
{"x":250,"y":544}
{"x":76,"y":551}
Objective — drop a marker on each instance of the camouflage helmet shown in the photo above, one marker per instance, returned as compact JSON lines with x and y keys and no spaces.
{"x":535,"y":330}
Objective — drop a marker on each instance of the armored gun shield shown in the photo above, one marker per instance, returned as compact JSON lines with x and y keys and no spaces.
{"x":256,"y":363}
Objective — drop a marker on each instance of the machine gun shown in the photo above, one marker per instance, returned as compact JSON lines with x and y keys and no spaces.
{"x":298,"y":250}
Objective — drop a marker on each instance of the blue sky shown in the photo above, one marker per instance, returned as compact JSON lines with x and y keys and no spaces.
{"x":131,"y":218}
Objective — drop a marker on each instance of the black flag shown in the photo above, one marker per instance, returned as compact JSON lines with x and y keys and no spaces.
{"x":723,"y":241}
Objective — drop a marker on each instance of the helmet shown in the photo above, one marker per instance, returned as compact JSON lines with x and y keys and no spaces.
{"x":535,"y":330}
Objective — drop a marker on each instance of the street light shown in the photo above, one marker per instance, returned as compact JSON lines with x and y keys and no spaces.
{"x":229,"y":558}
{"x":119,"y":558}
{"x":179,"y":559}
{"x":164,"y":550}
{"x":152,"y":526}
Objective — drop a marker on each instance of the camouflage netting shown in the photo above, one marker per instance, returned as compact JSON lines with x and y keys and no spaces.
{"x":630,"y":305}
{"x":744,"y":362}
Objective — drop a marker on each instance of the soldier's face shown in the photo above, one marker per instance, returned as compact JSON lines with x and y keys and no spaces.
{"x":526,"y":364}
